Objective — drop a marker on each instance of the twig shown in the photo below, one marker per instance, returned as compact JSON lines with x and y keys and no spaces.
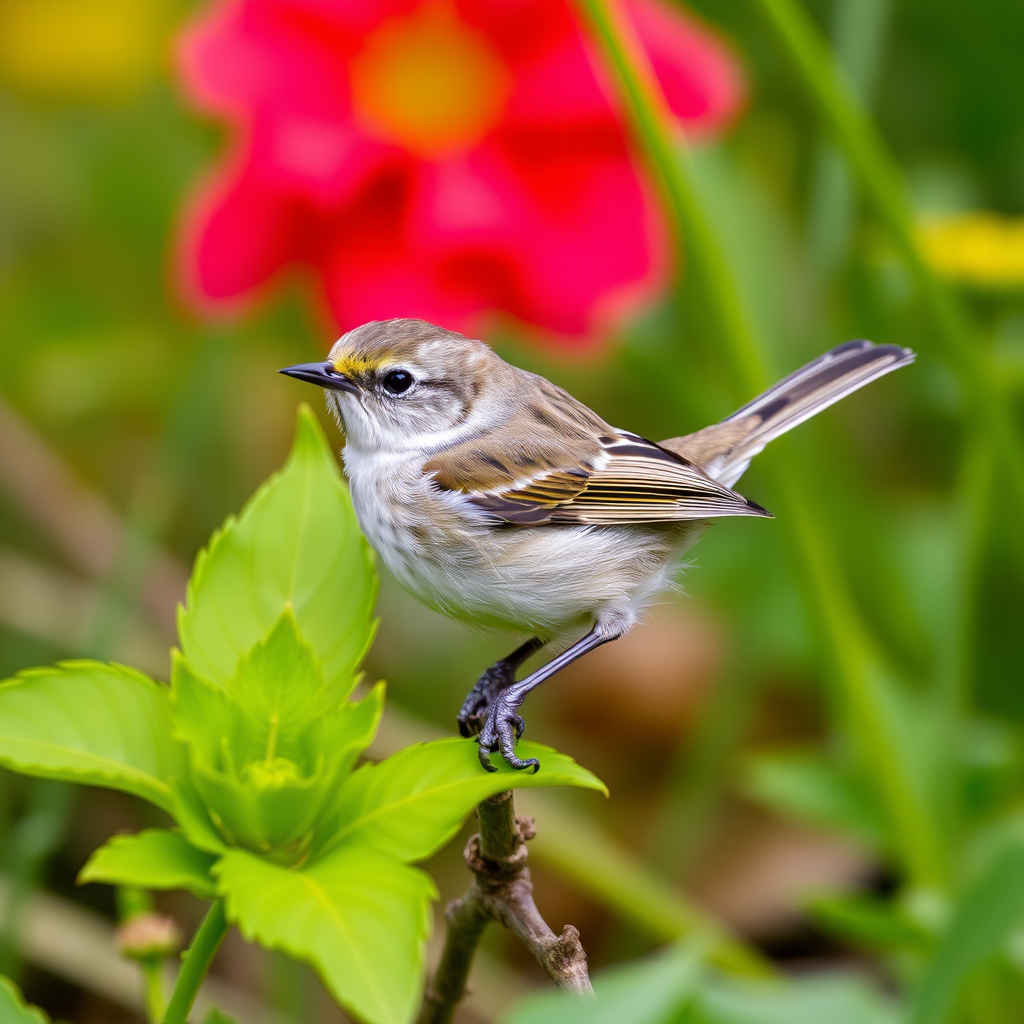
{"x":501,"y":891}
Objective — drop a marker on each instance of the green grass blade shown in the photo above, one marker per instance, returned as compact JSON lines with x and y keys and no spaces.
{"x":981,"y":924}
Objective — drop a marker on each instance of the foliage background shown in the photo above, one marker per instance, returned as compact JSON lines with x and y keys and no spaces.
{"x":166,"y":423}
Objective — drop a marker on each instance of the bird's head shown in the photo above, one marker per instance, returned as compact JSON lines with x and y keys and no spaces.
{"x":399,"y":385}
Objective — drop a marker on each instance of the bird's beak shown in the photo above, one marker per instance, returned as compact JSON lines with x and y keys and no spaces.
{"x":323,"y":374}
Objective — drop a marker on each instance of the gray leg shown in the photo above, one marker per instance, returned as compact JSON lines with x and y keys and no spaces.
{"x":503,"y":725}
{"x":498,"y":677}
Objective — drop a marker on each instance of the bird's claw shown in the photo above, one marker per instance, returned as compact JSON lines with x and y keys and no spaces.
{"x":480,"y":699}
{"x":469,"y":718}
{"x":502,"y":727}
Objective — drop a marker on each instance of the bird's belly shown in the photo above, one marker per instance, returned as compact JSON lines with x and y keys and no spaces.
{"x":552,"y":580}
{"x":545,"y":580}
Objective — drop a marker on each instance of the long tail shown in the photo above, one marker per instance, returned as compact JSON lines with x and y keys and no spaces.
{"x":724,"y":450}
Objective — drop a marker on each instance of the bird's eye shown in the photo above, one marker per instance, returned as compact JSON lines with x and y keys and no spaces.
{"x":397,"y":381}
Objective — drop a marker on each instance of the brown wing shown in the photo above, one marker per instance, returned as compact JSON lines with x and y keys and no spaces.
{"x":610,"y":478}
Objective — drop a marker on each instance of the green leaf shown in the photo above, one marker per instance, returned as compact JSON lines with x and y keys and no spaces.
{"x":360,"y":919}
{"x":13,"y":1009}
{"x":835,"y":998}
{"x":348,"y":731}
{"x":414,"y":802}
{"x":805,"y":785}
{"x":286,"y":709}
{"x":269,"y":750}
{"x":153,"y":859}
{"x":88,"y":722}
{"x":270,"y":807}
{"x":981,"y":923}
{"x":280,"y":691}
{"x":202,"y":715}
{"x":648,"y":991}
{"x":296,"y":543}
{"x":865,"y":921}
{"x":194,"y":818}
{"x":215,"y":1016}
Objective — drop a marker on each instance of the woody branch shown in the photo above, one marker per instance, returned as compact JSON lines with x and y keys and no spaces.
{"x":501,"y":891}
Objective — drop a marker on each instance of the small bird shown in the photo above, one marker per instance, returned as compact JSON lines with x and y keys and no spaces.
{"x":498,"y":499}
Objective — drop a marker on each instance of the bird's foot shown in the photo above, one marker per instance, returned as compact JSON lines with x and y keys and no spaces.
{"x":477,"y":704}
{"x":501,"y":728}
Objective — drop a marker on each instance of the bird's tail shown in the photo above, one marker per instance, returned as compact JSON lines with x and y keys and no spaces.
{"x":724,"y":450}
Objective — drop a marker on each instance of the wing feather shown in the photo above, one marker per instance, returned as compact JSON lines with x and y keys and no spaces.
{"x":628,"y":480}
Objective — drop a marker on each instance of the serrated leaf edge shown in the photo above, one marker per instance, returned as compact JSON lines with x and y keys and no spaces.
{"x":159,"y":791}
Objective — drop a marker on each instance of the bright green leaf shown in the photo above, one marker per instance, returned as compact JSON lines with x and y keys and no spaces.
{"x":280,"y":690}
{"x":270,"y":807}
{"x":153,"y":859}
{"x":414,"y":802}
{"x":13,"y":1009}
{"x":266,"y":764}
{"x":296,"y":543}
{"x":202,"y":714}
{"x":194,"y":818}
{"x":88,"y":722}
{"x":348,"y":731}
{"x":360,"y":919}
{"x":805,"y":785}
{"x":648,"y":991}
{"x":980,"y":924}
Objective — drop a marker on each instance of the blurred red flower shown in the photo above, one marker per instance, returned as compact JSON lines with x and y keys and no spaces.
{"x":434,"y":159}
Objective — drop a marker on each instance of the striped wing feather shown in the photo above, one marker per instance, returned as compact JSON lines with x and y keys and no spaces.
{"x":630,"y":480}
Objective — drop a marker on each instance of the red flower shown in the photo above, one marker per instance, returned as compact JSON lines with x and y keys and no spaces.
{"x":433,"y":159}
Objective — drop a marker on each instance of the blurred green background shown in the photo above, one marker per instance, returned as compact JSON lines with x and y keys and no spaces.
{"x":129,"y":430}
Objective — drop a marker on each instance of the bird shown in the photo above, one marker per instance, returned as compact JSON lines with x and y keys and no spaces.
{"x":497,"y":498}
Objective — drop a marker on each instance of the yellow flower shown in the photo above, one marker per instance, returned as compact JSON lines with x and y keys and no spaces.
{"x":978,"y":248}
{"x":80,"y":50}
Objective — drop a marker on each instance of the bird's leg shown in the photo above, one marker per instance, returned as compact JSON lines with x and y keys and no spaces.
{"x":503,"y":726}
{"x":498,"y":677}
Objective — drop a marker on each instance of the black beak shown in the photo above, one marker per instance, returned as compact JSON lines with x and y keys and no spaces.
{"x":323,"y":374}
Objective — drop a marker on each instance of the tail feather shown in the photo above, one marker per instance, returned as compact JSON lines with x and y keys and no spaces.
{"x":724,"y":450}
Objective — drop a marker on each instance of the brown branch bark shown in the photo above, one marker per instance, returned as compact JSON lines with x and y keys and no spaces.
{"x":501,"y":891}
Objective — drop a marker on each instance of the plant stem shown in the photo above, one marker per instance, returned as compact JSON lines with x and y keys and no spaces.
{"x":858,"y":33}
{"x":883,"y":185}
{"x":855,"y":657}
{"x":153,"y":988}
{"x":976,"y":497}
{"x":652,"y":123}
{"x":131,"y":902}
{"x":196,"y":963}
{"x":501,"y":891}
